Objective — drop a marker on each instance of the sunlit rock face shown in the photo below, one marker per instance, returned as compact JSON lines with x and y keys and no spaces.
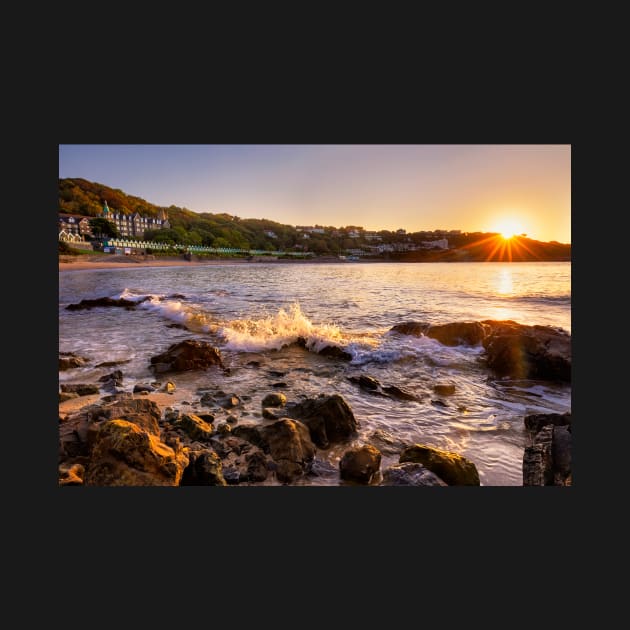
{"x":125,"y":455}
{"x":452,"y":468}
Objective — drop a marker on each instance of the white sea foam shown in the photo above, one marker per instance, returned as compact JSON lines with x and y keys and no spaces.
{"x":279,"y":330}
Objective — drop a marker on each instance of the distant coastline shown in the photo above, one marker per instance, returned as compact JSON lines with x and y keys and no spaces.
{"x":86,"y":262}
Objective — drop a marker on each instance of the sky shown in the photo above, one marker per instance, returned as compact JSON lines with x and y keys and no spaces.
{"x":523,"y":189}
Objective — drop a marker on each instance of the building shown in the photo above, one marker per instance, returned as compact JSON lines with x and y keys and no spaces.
{"x":72,"y":225}
{"x":437,"y":244}
{"x":135,"y":225}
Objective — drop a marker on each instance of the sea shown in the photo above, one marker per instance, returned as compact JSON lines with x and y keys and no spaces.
{"x":254,"y":313}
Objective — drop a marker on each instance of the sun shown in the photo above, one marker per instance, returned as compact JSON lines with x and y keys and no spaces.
{"x":508,"y":228}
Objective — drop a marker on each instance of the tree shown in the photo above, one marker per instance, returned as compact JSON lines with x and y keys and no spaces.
{"x":102,"y":228}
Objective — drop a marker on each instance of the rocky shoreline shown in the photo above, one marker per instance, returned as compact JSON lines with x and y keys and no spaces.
{"x":124,"y":438}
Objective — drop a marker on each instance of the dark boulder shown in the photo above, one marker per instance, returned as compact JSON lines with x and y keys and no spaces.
{"x":534,"y":352}
{"x":106,"y":301}
{"x":186,"y":355}
{"x":410,"y":474}
{"x":360,"y":464}
{"x":291,"y":448}
{"x":329,"y":419}
{"x":204,"y":469}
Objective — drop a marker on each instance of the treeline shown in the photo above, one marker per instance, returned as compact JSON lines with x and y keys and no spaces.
{"x":81,"y":197}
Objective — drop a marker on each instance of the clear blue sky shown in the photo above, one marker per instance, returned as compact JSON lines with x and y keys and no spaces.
{"x":523,"y":188}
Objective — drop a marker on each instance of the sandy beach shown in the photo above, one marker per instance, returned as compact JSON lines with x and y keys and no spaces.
{"x":81,"y":263}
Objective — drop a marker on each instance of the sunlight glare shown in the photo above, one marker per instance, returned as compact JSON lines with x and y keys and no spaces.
{"x":508,"y":228}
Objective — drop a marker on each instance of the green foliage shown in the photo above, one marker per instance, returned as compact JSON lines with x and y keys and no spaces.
{"x":102,"y":228}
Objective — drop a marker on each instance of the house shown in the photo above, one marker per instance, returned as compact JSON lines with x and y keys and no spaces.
{"x":72,"y":224}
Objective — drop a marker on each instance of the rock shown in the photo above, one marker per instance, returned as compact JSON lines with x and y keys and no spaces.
{"x":364,"y":381}
{"x":531,"y":352}
{"x":457,"y":333}
{"x":410,"y":474}
{"x":223,"y":428}
{"x":274,"y":400}
{"x":537,"y":459}
{"x":229,"y":402}
{"x":71,"y":475}
{"x":117,"y":375}
{"x":256,"y":467}
{"x":561,"y":455}
{"x":360,"y":464}
{"x":82,"y":389}
{"x":535,"y":422}
{"x":290,"y":446}
{"x":112,"y":381}
{"x":187,"y":355}
{"x":334,"y":352}
{"x":144,"y":413}
{"x":106,"y":301}
{"x":251,"y":433}
{"x":194,"y":427}
{"x":279,"y":384}
{"x":416,"y":329}
{"x":452,"y":468}
{"x":112,"y":363}
{"x":271,"y":414}
{"x":140,"y":388}
{"x":204,"y":469}
{"x":117,"y":396}
{"x":396,"y":392}
{"x":63,"y":396}
{"x":231,"y":419}
{"x":452,"y":334}
{"x":125,"y":455}
{"x":444,"y":389}
{"x":172,"y":415}
{"x":385,"y":442}
{"x":70,"y":360}
{"x":511,"y":349}
{"x":322,"y":468}
{"x":547,"y":460}
{"x":169,"y":387}
{"x":207,"y":400}
{"x":231,"y":475}
{"x":329,"y":419}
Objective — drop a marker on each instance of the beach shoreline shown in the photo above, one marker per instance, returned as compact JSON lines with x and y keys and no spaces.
{"x":83,"y":263}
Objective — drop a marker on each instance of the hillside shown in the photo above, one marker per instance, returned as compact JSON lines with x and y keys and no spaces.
{"x":81,"y":197}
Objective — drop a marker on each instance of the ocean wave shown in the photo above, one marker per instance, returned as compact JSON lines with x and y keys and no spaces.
{"x":281,"y":329}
